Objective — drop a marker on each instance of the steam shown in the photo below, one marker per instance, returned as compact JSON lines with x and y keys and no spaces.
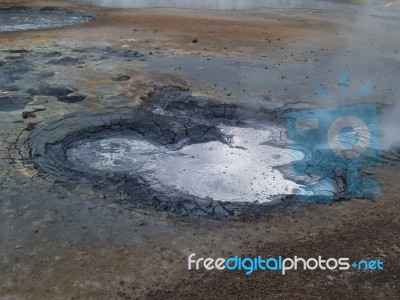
{"x":240,"y":4}
{"x":374,"y":65}
{"x":219,"y":4}
{"x":366,"y":48}
{"x":389,"y":127}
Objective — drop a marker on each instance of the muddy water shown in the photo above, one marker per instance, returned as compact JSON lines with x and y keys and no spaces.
{"x":246,"y":170}
{"x":122,"y":154}
{"x":29,"y":19}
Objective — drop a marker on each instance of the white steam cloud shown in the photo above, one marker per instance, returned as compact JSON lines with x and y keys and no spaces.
{"x":235,"y":4}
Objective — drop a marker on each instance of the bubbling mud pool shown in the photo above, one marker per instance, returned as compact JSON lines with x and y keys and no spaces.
{"x":243,"y":171}
{"x":16,"y":19}
{"x":182,"y":161}
{"x":191,"y":156}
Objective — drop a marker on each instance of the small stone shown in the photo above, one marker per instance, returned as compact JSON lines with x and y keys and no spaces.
{"x":28,"y":114}
{"x":30,"y":126}
{"x":120,"y":77}
{"x":18,"y":247}
{"x":57,"y":258}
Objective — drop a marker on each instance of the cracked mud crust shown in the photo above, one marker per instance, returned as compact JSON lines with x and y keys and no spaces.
{"x":44,"y":149}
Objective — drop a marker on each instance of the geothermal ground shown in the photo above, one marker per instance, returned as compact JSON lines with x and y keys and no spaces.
{"x":130,"y":139}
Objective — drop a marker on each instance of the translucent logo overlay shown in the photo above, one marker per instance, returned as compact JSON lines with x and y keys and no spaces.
{"x":338,"y":141}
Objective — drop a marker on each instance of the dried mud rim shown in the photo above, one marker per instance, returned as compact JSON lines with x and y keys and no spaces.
{"x":44,"y":149}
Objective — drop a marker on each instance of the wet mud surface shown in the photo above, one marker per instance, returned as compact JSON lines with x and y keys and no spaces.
{"x":120,"y":157}
{"x":25,"y":18}
{"x":123,"y":152}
